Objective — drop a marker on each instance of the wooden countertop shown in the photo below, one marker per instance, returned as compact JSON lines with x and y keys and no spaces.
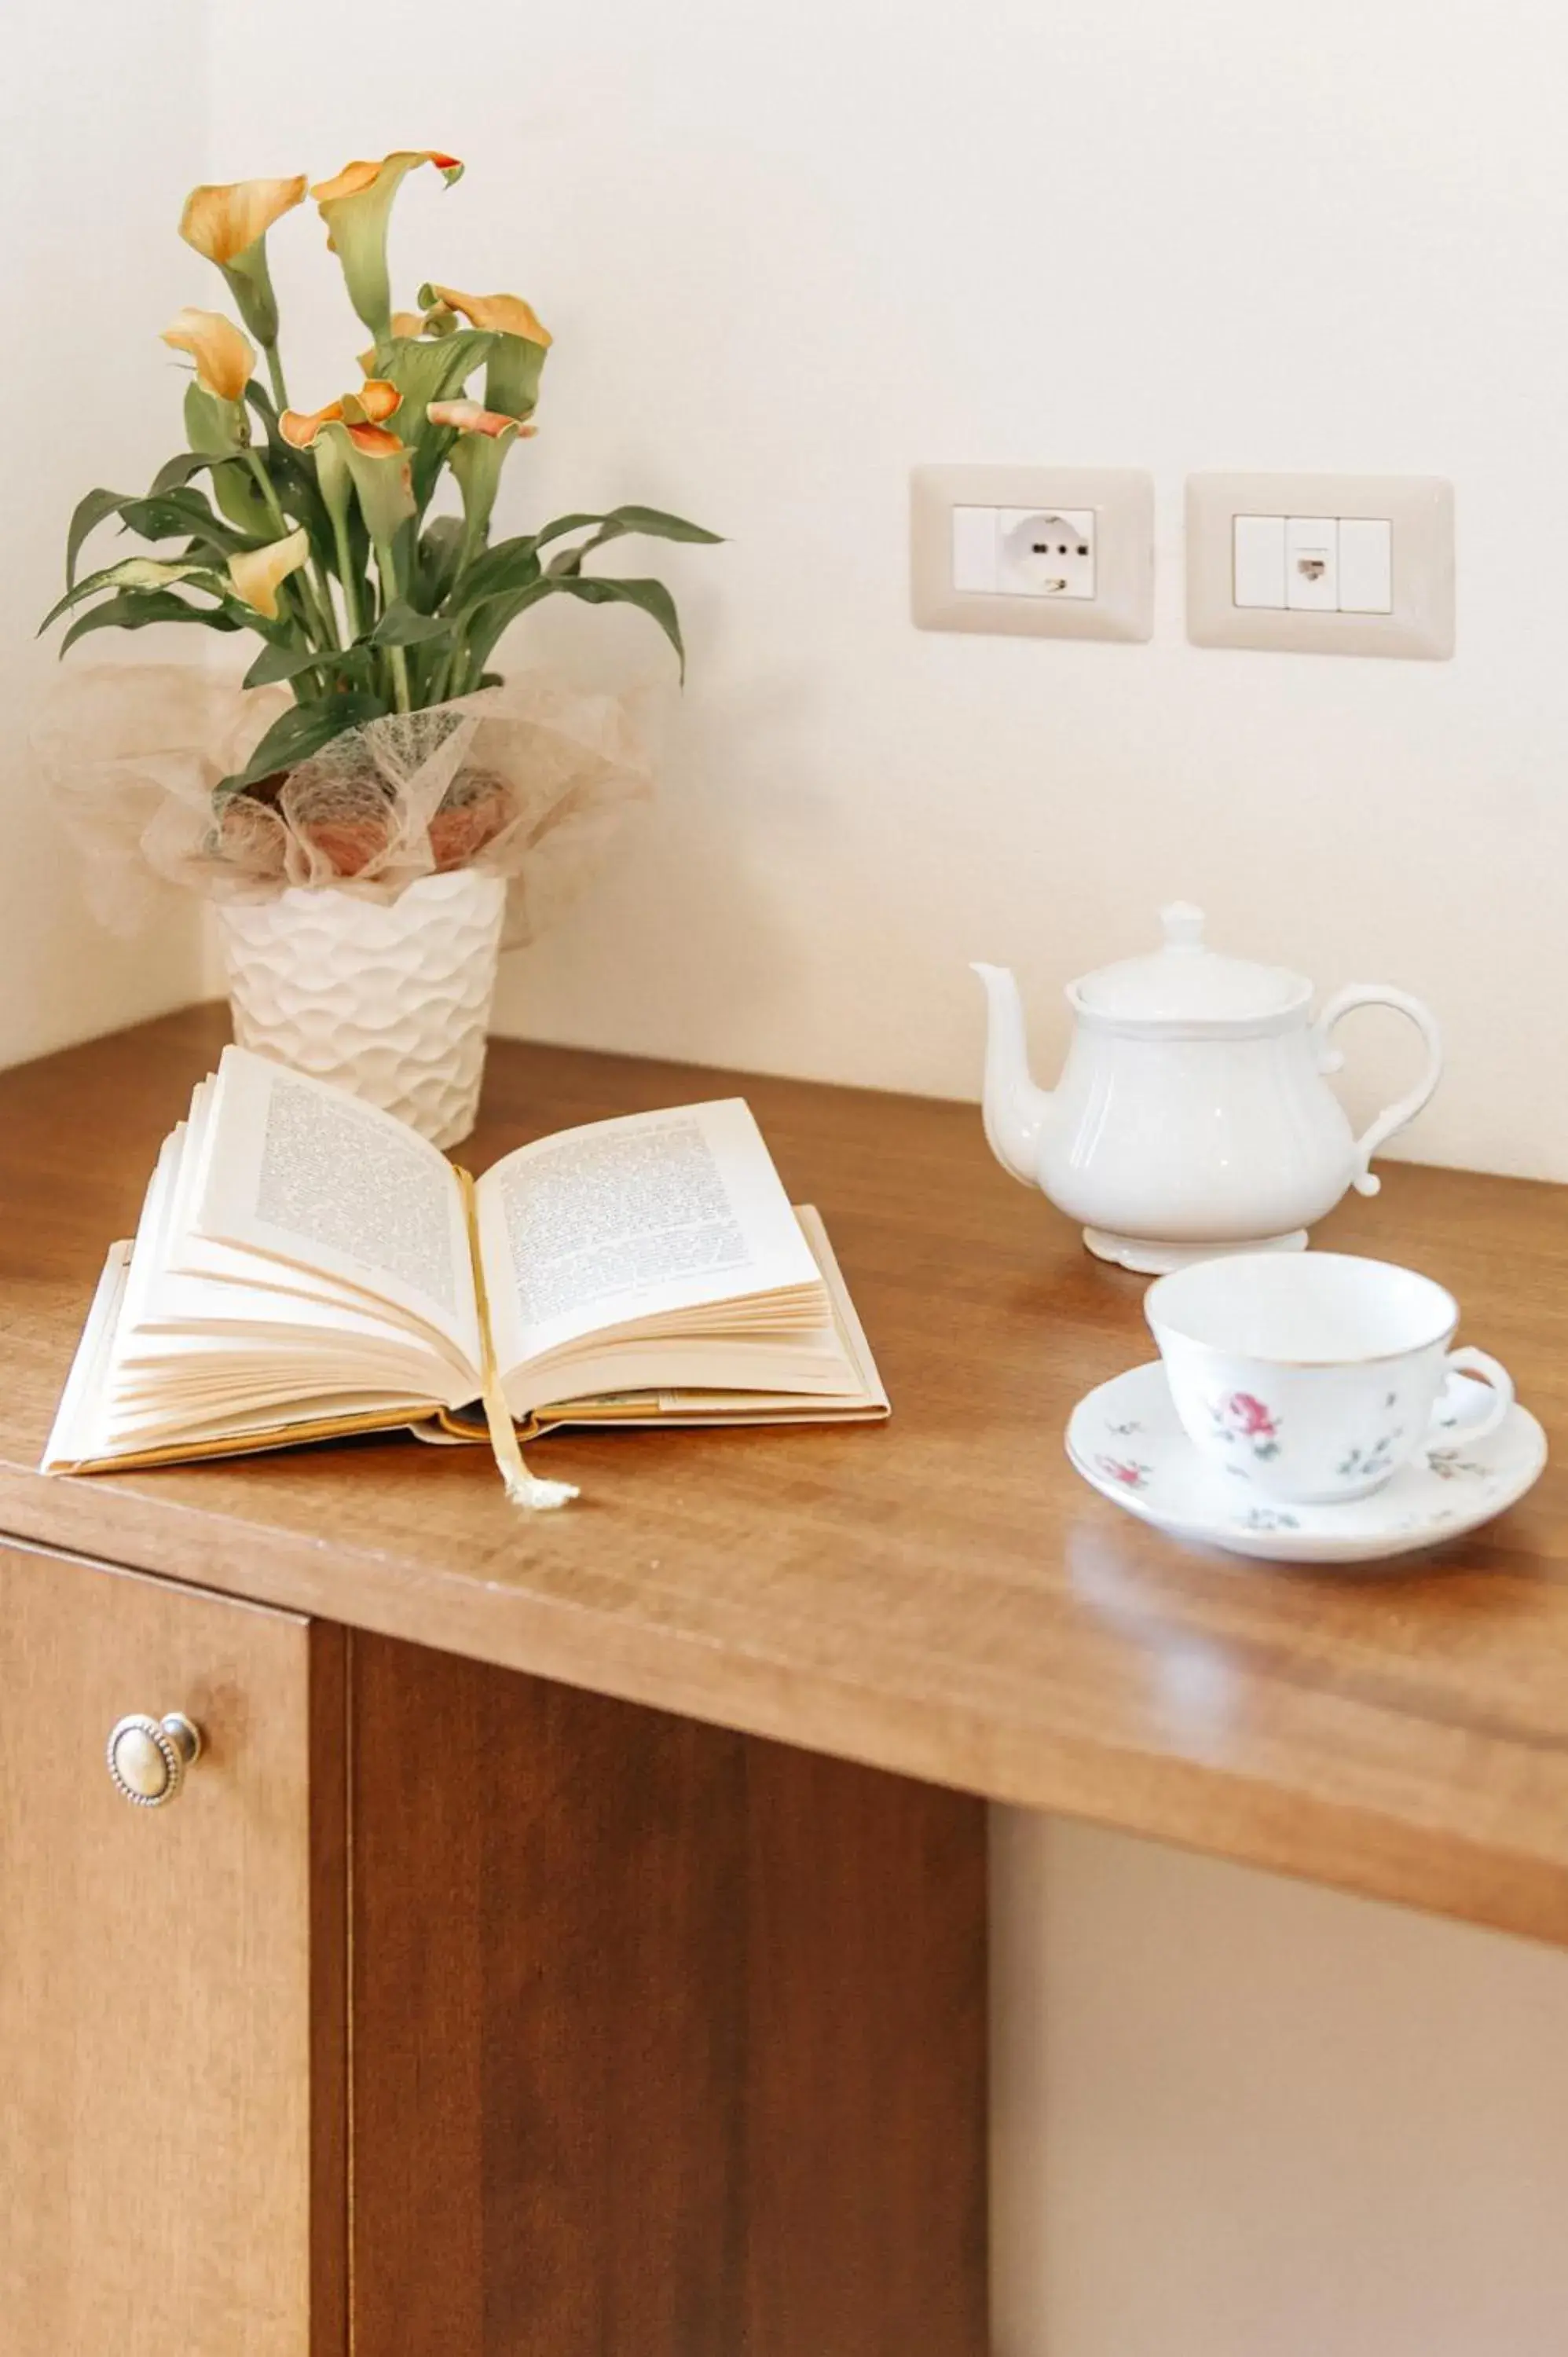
{"x":939,"y":1595}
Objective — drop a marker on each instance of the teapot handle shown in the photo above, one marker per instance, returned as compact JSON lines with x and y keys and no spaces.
{"x":1394,"y":1116}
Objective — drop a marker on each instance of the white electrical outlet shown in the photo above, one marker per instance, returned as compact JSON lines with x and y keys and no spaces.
{"x":1053,"y":553}
{"x":1045,"y":551}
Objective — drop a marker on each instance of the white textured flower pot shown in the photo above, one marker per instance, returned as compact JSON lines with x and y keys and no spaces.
{"x":390,"y":1000}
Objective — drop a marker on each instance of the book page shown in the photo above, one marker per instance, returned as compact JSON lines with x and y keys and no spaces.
{"x":631,"y":1219}
{"x":301,"y":1170}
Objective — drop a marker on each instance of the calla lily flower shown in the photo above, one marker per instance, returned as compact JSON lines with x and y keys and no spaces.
{"x":228,"y":223}
{"x":516,"y":357}
{"x":224,"y":222}
{"x":469,"y":417}
{"x":224,"y":358}
{"x":355,"y":206}
{"x":382,"y":469}
{"x":476,"y":458}
{"x":361,"y":413}
{"x":499,"y":315}
{"x":256,"y":575}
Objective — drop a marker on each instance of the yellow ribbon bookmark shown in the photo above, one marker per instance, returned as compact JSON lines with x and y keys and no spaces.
{"x":523,"y":1487}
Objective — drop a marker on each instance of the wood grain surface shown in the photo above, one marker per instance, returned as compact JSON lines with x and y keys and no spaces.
{"x":166,"y":2093}
{"x":939,"y":1595}
{"x":666,"y":2039}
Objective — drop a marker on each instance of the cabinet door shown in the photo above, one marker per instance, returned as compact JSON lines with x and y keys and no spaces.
{"x":170,"y":2146}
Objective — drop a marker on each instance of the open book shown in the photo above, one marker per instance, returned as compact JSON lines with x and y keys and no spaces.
{"x":307,"y":1266}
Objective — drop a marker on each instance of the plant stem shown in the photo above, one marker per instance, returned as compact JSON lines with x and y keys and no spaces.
{"x":274,"y":371}
{"x":347,"y":575}
{"x":319,"y":596}
{"x":386,"y":565}
{"x":265,"y":482}
{"x":471,"y":544}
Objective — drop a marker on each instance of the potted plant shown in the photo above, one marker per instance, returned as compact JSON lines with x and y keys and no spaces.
{"x":359,"y":849}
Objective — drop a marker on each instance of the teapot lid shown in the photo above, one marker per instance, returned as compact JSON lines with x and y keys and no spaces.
{"x":1184,"y":985}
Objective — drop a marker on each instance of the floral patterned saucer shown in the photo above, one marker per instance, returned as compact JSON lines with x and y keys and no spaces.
{"x":1126,"y":1441}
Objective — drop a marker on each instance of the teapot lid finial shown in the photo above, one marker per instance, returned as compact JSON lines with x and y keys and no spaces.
{"x":1183,"y":925}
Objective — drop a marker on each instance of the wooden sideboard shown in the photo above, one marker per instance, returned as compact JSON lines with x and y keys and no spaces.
{"x":570,"y":1939}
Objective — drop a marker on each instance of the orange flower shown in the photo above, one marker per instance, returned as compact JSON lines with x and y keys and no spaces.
{"x":223,"y":357}
{"x":256,"y":575}
{"x":355,"y":205}
{"x":224,"y":222}
{"x":229,"y":224}
{"x":500,"y":314}
{"x":469,"y":417}
{"x":362,"y":412}
{"x":355,"y":179}
{"x":516,"y":359}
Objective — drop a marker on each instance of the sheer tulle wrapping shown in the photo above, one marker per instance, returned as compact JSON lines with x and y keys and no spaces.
{"x":528,"y":781}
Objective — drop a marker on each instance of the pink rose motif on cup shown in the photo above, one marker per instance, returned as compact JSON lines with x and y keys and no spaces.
{"x":1246,"y":1421}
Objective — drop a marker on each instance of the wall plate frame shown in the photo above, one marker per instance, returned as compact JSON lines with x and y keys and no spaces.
{"x":1419,"y":507}
{"x":1122,"y":500}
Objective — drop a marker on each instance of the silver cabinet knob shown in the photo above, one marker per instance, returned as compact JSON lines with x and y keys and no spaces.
{"x":149,"y":1758}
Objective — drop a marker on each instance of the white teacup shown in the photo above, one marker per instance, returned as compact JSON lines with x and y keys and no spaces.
{"x":1311,"y":1376}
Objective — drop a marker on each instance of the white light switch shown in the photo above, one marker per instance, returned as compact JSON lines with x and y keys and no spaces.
{"x":1312,"y":564}
{"x":1259,"y":556}
{"x":1366,"y":565}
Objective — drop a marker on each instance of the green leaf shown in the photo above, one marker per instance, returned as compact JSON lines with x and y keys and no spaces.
{"x":400,"y":626}
{"x":344,"y":670}
{"x":652,"y":522}
{"x":496,"y":613}
{"x":91,"y":511}
{"x":292,"y":474}
{"x":168,"y":514}
{"x":236,"y":492}
{"x":657,"y":525}
{"x":568,"y":561}
{"x":217,"y":427}
{"x":496,"y":616}
{"x":261,"y":402}
{"x":510,"y":564}
{"x":178,"y":470}
{"x":137,"y":573}
{"x":566,"y":523}
{"x":652,"y":596}
{"x":132,"y":609}
{"x":435,"y":561}
{"x":301,"y":731}
{"x":283,"y":660}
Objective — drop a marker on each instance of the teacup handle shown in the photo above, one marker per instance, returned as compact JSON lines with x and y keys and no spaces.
{"x":1394,"y":1116}
{"x":1465,"y":1360}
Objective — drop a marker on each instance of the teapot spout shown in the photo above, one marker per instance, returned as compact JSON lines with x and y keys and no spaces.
{"x":1015,"y":1110}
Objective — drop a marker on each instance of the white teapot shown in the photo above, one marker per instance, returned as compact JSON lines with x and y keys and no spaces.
{"x":1192,"y":1117}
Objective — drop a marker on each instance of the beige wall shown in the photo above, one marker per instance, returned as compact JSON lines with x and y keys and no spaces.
{"x":101,"y":126}
{"x":789,"y":254}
